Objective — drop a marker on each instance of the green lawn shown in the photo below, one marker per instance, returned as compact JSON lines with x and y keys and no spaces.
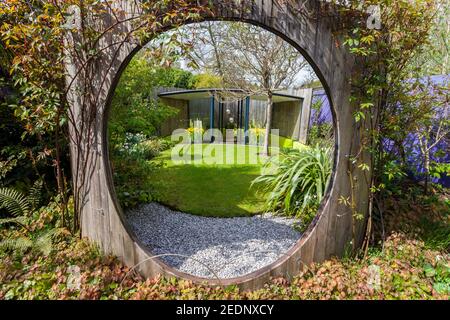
{"x":208,"y":188}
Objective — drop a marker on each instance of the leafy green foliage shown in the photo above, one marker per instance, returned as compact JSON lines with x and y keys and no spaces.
{"x":436,"y":234}
{"x":33,"y":49}
{"x":31,"y":58}
{"x":134,"y":106}
{"x":322,"y":134}
{"x":137,"y":146}
{"x":393,"y":88}
{"x":132,"y":169}
{"x":410,"y":211}
{"x":40,"y":242}
{"x":440,"y":274}
{"x":435,"y":57}
{"x":23,"y":157}
{"x":153,"y":147}
{"x":20,"y":244}
{"x":206,"y":80}
{"x":135,"y":119}
{"x":22,"y":207}
{"x":299,"y":182}
{"x":14,"y":202}
{"x":406,"y":270}
{"x":18,"y":220}
{"x":17,"y":204}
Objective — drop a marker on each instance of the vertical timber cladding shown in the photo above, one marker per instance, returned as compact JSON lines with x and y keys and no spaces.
{"x":179,"y":120}
{"x":286,"y":118}
{"x":102,"y":218}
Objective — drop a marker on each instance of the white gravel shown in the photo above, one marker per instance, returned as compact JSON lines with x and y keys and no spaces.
{"x":217,"y":247}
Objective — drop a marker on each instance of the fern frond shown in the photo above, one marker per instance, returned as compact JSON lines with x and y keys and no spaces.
{"x":20,"y":244}
{"x":14,"y":202}
{"x":44,"y":242}
{"x":19,"y":220}
{"x":35,"y":193}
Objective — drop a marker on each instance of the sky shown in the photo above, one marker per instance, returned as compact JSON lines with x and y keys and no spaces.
{"x":302,"y":76}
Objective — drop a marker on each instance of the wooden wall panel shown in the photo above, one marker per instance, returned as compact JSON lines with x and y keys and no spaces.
{"x":286,"y":118}
{"x":179,"y":121}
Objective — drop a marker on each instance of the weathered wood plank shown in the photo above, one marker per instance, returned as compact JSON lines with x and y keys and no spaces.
{"x":102,"y":220}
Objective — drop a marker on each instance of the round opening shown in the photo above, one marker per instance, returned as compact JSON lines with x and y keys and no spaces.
{"x":221,"y":140}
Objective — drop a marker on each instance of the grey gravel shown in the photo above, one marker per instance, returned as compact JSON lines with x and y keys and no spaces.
{"x":217,"y":247}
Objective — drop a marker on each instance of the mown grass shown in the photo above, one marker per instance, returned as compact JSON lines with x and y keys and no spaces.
{"x":208,"y":185}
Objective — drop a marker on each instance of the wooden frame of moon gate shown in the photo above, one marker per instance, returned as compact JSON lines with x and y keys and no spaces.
{"x":101,"y":218}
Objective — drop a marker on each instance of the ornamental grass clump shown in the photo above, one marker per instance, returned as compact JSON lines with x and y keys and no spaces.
{"x":298,"y":183}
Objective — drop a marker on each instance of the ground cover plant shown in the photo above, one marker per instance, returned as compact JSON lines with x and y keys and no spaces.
{"x":408,"y":259}
{"x":403,"y":269}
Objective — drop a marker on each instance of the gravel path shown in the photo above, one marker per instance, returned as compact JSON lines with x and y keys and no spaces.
{"x":230,"y":247}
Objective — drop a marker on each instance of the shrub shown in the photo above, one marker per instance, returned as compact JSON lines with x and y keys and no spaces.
{"x":151,"y":148}
{"x":131,"y":168}
{"x":322,"y":134}
{"x":29,"y":233}
{"x":139,"y":147}
{"x":134,"y":107}
{"x":130,"y":179}
{"x":206,"y":80}
{"x":299,"y":182}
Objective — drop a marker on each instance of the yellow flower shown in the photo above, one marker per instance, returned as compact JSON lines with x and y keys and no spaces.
{"x":194,"y":130}
{"x":257,"y":131}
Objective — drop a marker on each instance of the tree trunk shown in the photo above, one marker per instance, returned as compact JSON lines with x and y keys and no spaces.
{"x":216,"y":50}
{"x":427,"y":169}
{"x":60,"y":174}
{"x":268,"y":123}
{"x":446,"y":57}
{"x":425,"y":150}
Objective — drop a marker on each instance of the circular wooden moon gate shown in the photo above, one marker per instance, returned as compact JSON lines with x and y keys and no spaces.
{"x":101,"y":218}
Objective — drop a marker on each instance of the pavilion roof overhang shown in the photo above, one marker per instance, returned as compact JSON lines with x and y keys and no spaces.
{"x":189,"y":95}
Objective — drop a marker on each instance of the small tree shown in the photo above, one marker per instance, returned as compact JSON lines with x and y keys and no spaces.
{"x":433,"y":127}
{"x":249,"y":58}
{"x":41,"y":37}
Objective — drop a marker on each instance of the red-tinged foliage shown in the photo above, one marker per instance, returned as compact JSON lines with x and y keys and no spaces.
{"x":402,"y":274}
